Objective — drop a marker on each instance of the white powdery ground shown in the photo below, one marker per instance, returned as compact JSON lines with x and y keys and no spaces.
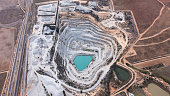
{"x":80,"y":35}
{"x":39,"y":58}
{"x":75,"y":39}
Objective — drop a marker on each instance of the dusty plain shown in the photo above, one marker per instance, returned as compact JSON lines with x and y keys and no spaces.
{"x":145,"y":11}
{"x":11,"y":17}
{"x":152,"y":48}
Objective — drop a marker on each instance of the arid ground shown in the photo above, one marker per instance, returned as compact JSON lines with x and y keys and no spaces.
{"x":154,"y":42}
{"x":2,"y":80}
{"x":153,"y":46}
{"x":145,"y":11}
{"x":10,"y":20}
{"x":152,"y":17}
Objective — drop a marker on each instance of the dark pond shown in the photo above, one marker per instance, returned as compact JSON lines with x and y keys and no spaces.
{"x":121,"y":73}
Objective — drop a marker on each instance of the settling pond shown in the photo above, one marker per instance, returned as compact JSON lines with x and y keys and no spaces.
{"x":121,"y":73}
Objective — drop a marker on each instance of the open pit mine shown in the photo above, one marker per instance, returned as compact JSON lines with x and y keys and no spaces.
{"x":73,"y":45}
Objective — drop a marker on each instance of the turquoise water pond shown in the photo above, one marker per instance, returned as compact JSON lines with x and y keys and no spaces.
{"x":82,"y":61}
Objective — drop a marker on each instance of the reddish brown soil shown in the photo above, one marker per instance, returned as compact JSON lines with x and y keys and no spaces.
{"x":2,"y":80}
{"x":153,"y":51}
{"x":163,"y":72}
{"x":6,"y":42}
{"x":10,"y":15}
{"x":159,"y":38}
{"x":166,"y":2}
{"x":7,"y":3}
{"x":160,"y":24}
{"x":164,"y":61}
{"x":149,"y":52}
{"x":145,"y":11}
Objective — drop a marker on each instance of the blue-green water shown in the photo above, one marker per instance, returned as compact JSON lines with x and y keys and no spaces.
{"x":82,"y":61}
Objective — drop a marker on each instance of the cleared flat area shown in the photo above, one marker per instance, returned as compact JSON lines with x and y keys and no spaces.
{"x":10,"y":19}
{"x":2,"y":80}
{"x":160,"y":24}
{"x":163,"y":73}
{"x":156,"y":39}
{"x":166,"y":2}
{"x":6,"y":47}
{"x":145,"y":11}
{"x":150,"y":52}
{"x":138,"y":92}
{"x":155,"y":42}
{"x":10,"y":15}
{"x":7,"y":3}
{"x":164,"y":61}
{"x":156,"y":90}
